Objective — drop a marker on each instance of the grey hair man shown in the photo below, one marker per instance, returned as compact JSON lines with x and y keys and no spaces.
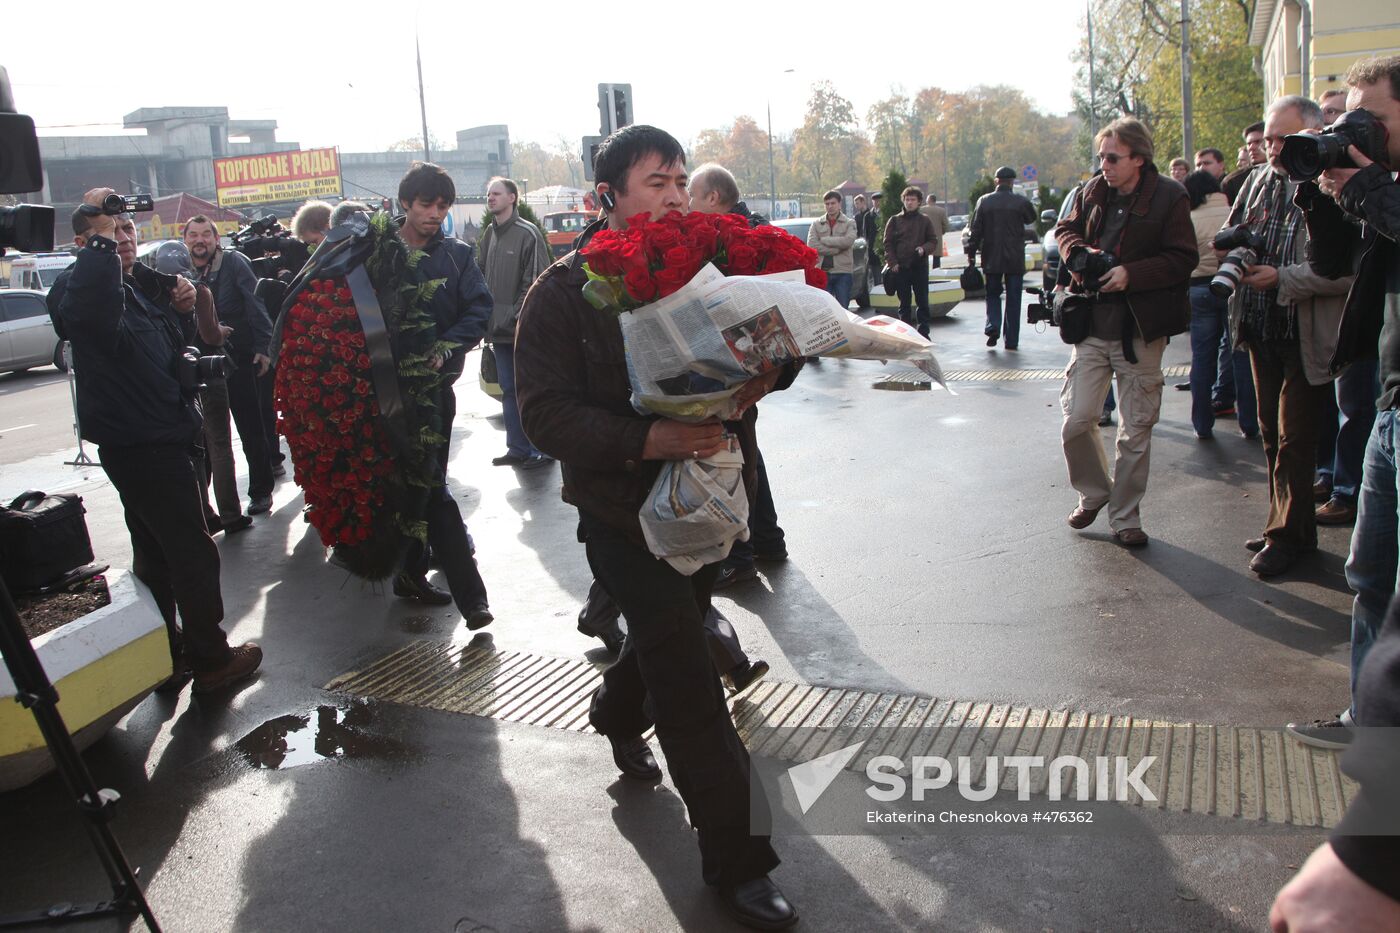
{"x":1286,"y":315}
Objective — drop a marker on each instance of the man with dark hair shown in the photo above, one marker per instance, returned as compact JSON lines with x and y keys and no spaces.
{"x":867,"y":226}
{"x":513,"y":254}
{"x":834,"y":238}
{"x":1286,"y":315}
{"x":1250,"y":154}
{"x":126,"y":329}
{"x":1370,"y":326}
{"x":574,"y":402}
{"x":230,"y":277}
{"x":1211,"y":160}
{"x":462,"y":307}
{"x":1144,"y":220}
{"x":909,"y":241}
{"x":999,"y":233}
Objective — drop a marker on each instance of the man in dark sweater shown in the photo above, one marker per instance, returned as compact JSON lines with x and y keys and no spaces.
{"x":574,"y":395}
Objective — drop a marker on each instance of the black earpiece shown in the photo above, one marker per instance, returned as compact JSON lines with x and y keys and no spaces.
{"x":609,"y":202}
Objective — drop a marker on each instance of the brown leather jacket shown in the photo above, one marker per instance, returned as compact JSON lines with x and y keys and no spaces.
{"x":574,"y":396}
{"x":1158,"y":248}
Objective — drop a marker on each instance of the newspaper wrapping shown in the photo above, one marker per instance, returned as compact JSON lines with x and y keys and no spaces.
{"x":690,"y":352}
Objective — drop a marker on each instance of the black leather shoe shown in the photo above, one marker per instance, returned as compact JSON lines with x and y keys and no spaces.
{"x":612,"y":639}
{"x":260,"y":505}
{"x":745,"y":676}
{"x":992,"y":339}
{"x":406,"y":587}
{"x":634,"y":759}
{"x":508,"y":460}
{"x":536,"y":461}
{"x":1273,"y":560}
{"x":478,"y":616}
{"x":1256,"y":544}
{"x":758,"y":904}
{"x":241,"y":523}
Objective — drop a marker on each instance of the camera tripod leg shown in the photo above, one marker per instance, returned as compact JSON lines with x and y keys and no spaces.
{"x":34,"y":690}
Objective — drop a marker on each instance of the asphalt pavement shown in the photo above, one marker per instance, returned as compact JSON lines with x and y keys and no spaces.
{"x":929,"y":556}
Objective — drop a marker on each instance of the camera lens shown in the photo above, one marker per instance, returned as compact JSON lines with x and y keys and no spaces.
{"x":1305,"y":156}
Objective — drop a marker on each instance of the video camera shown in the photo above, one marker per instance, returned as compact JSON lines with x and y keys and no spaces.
{"x":267,"y":235}
{"x":1091,"y":266}
{"x":1307,"y":155}
{"x":25,"y":227}
{"x":1244,"y":246}
{"x":114,"y":205}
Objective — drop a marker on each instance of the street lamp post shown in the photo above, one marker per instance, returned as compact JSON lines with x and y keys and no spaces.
{"x":772,"y":175}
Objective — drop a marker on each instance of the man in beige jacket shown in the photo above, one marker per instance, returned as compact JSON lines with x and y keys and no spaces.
{"x":834,"y":239}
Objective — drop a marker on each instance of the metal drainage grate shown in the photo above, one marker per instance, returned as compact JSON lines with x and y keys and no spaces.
{"x":1227,"y":771}
{"x":1021,"y":375}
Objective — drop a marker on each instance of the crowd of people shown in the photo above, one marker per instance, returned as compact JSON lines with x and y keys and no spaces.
{"x":1304,"y":352}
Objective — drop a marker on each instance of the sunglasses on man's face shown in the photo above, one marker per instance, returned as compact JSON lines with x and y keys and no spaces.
{"x":1112,"y":158}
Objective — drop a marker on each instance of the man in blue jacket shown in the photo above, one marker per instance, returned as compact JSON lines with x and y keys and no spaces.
{"x":122,"y":321}
{"x":462,"y":307}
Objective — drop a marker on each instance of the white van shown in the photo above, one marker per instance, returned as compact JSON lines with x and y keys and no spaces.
{"x":37,"y":272}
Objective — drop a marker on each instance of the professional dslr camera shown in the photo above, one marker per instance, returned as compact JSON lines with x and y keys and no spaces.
{"x":1306,"y":155}
{"x":265,"y":236}
{"x":1244,"y":246}
{"x":195,"y":371}
{"x":25,"y":227}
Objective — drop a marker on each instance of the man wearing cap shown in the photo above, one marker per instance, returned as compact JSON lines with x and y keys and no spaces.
{"x":999,"y":234}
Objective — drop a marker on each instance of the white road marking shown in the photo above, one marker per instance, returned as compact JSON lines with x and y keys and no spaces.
{"x":17,"y":428}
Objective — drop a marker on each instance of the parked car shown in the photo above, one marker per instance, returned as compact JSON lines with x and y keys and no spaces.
{"x":27,"y":336}
{"x":957,"y":221}
{"x":1051,"y":270}
{"x":799,"y":226}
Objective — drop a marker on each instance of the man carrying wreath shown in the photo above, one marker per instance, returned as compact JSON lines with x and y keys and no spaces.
{"x":574,"y":395}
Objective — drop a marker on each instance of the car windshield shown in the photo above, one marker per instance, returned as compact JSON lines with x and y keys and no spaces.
{"x":797,"y":228}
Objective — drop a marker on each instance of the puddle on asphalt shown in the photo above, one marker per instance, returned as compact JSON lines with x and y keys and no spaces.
{"x":326,"y":732}
{"x":894,"y":385}
{"x":417,"y":625}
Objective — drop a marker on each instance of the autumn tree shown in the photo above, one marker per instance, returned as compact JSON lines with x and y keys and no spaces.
{"x":1137,"y":71}
{"x":828,"y":144}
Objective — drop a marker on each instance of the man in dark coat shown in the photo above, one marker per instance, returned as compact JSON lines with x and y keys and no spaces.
{"x":999,"y":234}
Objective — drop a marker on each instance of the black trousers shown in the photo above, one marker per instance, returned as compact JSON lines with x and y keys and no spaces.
{"x":244,"y":404}
{"x":447,"y":536}
{"x":664,"y":677}
{"x":913,"y":277}
{"x":269,"y":416}
{"x":172,"y":552}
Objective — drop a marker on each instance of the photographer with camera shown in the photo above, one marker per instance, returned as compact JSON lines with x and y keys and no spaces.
{"x":230,"y":277}
{"x":136,"y":401}
{"x":1129,"y":245}
{"x":1286,"y":316}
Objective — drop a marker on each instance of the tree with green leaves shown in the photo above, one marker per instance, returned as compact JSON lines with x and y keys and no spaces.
{"x":890,"y":204}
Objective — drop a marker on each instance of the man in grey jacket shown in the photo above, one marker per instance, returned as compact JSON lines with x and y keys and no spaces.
{"x":513,"y":254}
{"x":1286,"y":315}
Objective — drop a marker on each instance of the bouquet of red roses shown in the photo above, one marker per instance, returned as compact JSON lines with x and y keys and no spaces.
{"x":652,"y":259}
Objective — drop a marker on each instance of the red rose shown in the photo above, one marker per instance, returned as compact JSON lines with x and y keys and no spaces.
{"x":671,"y":280}
{"x":743,"y":259}
{"x":639,"y":284}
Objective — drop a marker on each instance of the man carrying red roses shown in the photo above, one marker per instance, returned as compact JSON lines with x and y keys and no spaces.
{"x":573,"y":390}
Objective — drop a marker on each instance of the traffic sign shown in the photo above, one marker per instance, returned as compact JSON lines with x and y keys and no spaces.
{"x":1029,"y":173}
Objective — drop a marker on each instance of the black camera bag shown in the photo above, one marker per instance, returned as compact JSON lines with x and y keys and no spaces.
{"x":1074,"y":316}
{"x":42,"y":539}
{"x":971,"y":280}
